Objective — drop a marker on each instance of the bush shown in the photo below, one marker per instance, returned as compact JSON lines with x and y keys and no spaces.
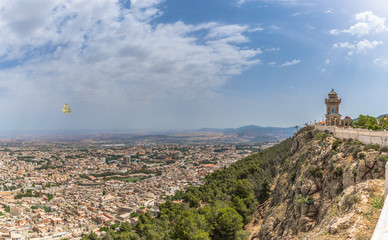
{"x":383,"y":159}
{"x":336,"y":143}
{"x":321,"y":135}
{"x":293,"y":175}
{"x":315,"y":171}
{"x":310,"y":200}
{"x":372,"y":146}
{"x":338,"y":171}
{"x":377,"y":201}
{"x":354,"y":151}
{"x":301,"y":200}
{"x":384,"y":149}
{"x":331,"y":167}
{"x":361,"y":155}
{"x":350,"y":200}
{"x":357,"y":142}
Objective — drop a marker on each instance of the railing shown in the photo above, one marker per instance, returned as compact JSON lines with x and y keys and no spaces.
{"x":381,"y":230}
{"x":363,"y":135}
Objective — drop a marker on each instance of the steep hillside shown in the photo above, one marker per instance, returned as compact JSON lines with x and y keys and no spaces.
{"x":322,"y":188}
{"x":326,"y":189}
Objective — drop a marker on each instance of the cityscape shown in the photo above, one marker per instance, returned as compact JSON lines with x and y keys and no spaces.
{"x":193,"y":120}
{"x":68,"y":190}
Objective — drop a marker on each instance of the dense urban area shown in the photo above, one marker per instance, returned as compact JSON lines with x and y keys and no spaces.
{"x":63,"y":190}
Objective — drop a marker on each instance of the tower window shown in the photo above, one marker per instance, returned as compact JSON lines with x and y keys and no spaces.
{"x":332,"y":110}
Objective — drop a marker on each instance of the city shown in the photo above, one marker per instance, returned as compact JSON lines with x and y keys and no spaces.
{"x":65,"y":191}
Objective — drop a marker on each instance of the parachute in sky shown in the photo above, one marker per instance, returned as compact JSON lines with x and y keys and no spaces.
{"x":66,"y":109}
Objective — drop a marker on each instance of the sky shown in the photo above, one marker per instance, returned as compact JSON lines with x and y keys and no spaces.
{"x":183,"y":64}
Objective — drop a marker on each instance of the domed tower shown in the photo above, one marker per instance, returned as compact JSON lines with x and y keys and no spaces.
{"x":333,"y":118}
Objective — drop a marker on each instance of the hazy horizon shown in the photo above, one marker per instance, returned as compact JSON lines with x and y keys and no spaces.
{"x":180,"y":64}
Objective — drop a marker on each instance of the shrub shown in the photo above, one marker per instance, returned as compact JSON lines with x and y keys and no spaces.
{"x":355,"y":151}
{"x":338,"y":171}
{"x":350,"y":200}
{"x":383,"y":159}
{"x":384,"y":149}
{"x":301,"y":200}
{"x":293,"y":175}
{"x":361,"y":155}
{"x":372,"y":146}
{"x":357,"y":142}
{"x":339,"y":189}
{"x":354,"y":172}
{"x":336,"y":143}
{"x":315,"y":171}
{"x":321,"y":135}
{"x":331,"y":167}
{"x":377,"y":201}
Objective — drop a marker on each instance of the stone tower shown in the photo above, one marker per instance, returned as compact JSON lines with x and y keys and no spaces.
{"x":333,"y":118}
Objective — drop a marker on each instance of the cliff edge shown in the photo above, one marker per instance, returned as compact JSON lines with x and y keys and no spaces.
{"x":327,"y":189}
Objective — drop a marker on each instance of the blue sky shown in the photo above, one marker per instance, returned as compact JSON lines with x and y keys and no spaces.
{"x":178,"y":64}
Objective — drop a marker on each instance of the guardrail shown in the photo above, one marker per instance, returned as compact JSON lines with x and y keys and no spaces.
{"x":381,"y":230}
{"x":363,"y":135}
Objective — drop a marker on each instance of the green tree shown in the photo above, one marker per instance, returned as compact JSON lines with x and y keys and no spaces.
{"x":108,"y":236}
{"x":125,"y":227}
{"x":228,"y":223}
{"x":191,"y":226}
{"x":367,"y":122}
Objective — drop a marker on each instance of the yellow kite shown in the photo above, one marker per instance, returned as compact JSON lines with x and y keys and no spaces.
{"x":66,"y":109}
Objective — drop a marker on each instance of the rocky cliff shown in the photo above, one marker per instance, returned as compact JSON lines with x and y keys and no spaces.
{"x":327,"y":189}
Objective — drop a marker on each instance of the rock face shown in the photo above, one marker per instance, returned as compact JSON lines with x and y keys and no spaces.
{"x":324,"y":190}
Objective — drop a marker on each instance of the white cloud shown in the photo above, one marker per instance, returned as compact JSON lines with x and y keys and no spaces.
{"x":343,"y":45}
{"x":366,"y":23}
{"x":329,"y":11}
{"x":381,"y":62}
{"x":296,"y":14}
{"x":358,"y":47}
{"x":279,"y":2}
{"x":327,"y":61}
{"x":272,"y":49}
{"x":288,"y":63}
{"x":274,"y":28}
{"x":98,"y":50}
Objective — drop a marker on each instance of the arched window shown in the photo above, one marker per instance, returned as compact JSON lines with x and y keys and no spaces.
{"x":332,"y":110}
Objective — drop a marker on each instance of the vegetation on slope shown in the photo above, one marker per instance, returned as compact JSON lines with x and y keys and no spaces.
{"x":216,"y":210}
{"x":327,"y":189}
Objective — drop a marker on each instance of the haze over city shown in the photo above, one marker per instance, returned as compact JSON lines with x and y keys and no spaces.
{"x":155,"y":64}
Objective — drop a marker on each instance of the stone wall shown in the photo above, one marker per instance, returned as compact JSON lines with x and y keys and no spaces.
{"x":363,"y":135}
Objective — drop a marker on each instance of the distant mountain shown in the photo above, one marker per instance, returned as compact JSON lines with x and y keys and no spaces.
{"x":254,"y":133}
{"x":382,"y":115}
{"x":250,"y":133}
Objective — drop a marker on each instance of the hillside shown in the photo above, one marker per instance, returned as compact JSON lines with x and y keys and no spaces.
{"x":307,"y":187}
{"x":327,"y":189}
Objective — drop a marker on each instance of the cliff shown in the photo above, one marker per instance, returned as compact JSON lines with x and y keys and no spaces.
{"x":327,"y":188}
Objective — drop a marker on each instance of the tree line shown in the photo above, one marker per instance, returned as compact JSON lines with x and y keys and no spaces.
{"x":218,"y":209}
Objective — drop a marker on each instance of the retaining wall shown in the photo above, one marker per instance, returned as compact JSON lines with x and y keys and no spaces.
{"x":363,"y":135}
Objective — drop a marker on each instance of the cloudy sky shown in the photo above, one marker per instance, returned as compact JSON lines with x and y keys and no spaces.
{"x":173,"y":64}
